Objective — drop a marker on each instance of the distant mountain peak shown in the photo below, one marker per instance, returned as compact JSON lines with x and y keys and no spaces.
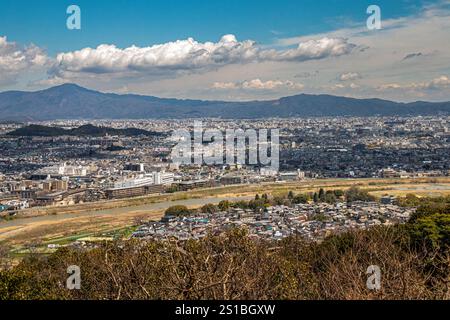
{"x":66,"y":87}
{"x":70,"y":85}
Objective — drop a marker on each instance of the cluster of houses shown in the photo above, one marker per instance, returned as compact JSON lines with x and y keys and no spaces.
{"x":310,"y":221}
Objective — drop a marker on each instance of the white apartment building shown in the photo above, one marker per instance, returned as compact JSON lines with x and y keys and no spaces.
{"x":153,"y":178}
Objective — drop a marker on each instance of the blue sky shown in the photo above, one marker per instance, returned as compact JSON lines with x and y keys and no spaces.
{"x":280,"y":24}
{"x":146,"y":22}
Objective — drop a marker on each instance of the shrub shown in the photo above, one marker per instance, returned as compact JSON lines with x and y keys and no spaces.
{"x":177,"y":211}
{"x":356,"y":194}
{"x":209,"y":208}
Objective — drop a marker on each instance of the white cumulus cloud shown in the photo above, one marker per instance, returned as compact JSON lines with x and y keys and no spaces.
{"x":178,"y":55}
{"x":349,"y":76}
{"x":442,"y":82}
{"x":258,"y":84}
{"x":15,"y":59}
{"x":311,"y":50}
{"x":188,"y":55}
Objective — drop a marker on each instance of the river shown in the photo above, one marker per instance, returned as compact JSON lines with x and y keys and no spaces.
{"x":17,"y":222}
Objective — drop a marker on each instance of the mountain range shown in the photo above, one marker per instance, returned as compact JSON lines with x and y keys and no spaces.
{"x":70,"y":101}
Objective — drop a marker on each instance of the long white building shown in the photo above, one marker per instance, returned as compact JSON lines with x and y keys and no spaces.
{"x":154,"y":178}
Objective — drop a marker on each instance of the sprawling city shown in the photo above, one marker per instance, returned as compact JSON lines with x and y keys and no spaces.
{"x":280,"y":169}
{"x":40,"y":170}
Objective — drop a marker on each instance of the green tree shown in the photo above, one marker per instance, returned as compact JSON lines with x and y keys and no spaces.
{"x":330,"y":197}
{"x":178,"y":210}
{"x":356,"y":194}
{"x":257,"y":205}
{"x":209,"y":208}
{"x":301,"y":198}
{"x":410,"y":200}
{"x":291,"y":195}
{"x":338,"y":193}
{"x":278,"y":200}
{"x":224,"y":205}
{"x":322,"y":195}
{"x":433,"y":230}
{"x":241,"y":204}
{"x":429,"y":208}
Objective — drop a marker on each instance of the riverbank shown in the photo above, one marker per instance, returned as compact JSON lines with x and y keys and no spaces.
{"x":45,"y":224}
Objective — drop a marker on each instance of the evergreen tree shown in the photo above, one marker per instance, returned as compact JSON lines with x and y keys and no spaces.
{"x":301,"y":198}
{"x":330,"y":197}
{"x":209,"y":208}
{"x":178,"y":210}
{"x":322,"y":195}
{"x":224,"y":205}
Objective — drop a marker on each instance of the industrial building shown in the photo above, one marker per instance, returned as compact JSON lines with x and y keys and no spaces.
{"x":143,"y":184}
{"x":117,"y":193}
